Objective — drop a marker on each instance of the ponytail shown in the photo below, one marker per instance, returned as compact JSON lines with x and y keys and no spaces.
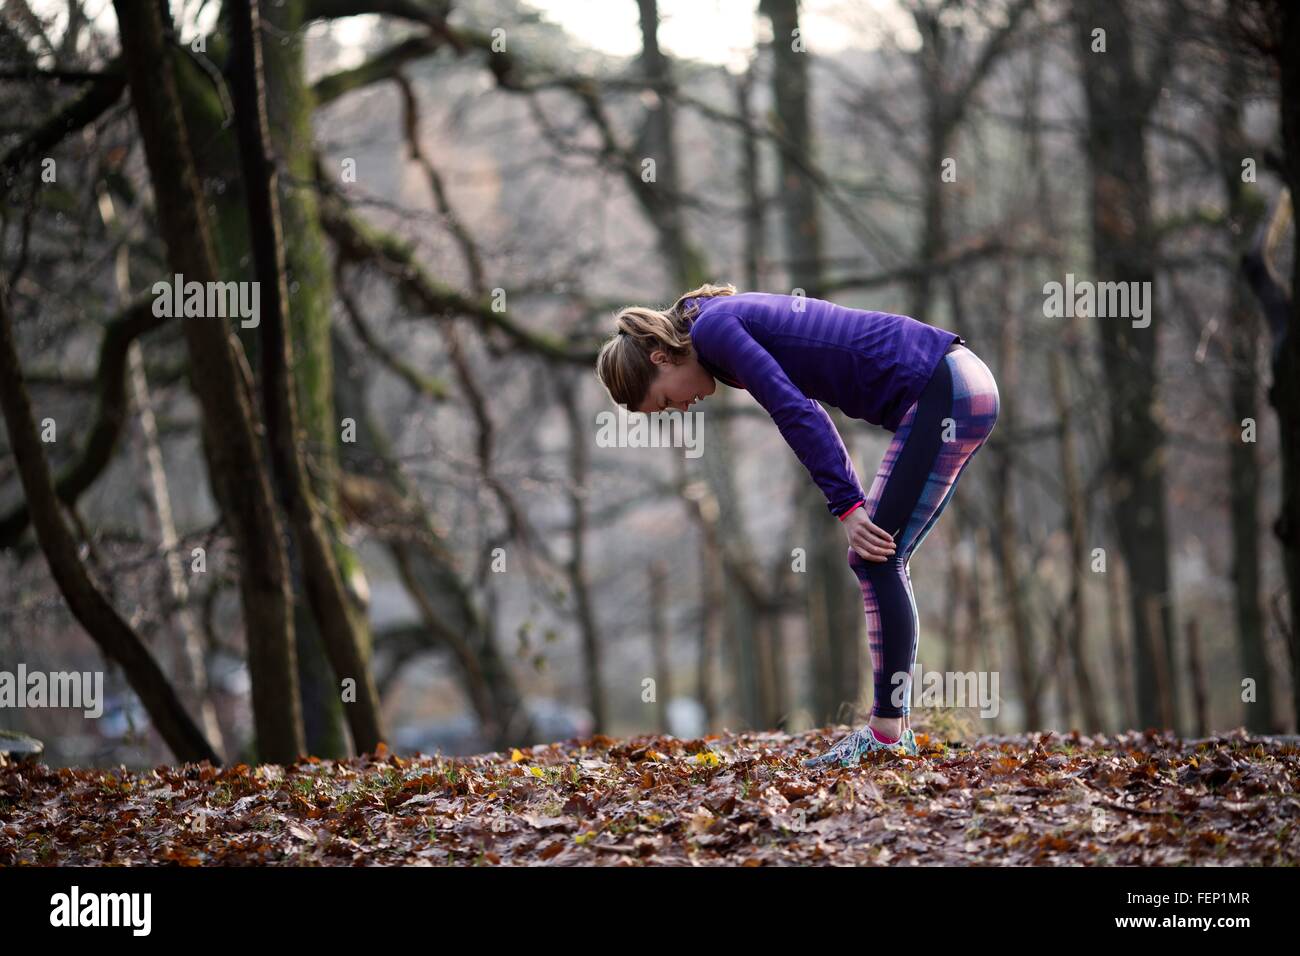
{"x":623,"y":365}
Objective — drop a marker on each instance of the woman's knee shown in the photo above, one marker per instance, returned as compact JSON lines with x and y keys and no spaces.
{"x":864,"y":568}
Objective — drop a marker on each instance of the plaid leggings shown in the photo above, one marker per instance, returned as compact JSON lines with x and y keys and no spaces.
{"x":934,"y":443}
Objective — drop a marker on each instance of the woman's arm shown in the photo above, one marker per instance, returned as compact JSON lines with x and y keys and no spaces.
{"x":807,"y":429}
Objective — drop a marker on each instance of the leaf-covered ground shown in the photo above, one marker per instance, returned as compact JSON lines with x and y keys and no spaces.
{"x":735,"y":799}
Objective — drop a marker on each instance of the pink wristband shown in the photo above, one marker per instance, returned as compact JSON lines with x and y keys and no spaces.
{"x":850,"y":511}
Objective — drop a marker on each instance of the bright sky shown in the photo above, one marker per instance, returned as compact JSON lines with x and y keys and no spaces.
{"x":722,"y":31}
{"x":713,"y":31}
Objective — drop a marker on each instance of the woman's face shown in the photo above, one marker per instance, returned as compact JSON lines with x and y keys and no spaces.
{"x":676,"y":386}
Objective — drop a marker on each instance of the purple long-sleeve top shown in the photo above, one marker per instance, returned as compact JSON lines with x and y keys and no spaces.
{"x":790,"y":352}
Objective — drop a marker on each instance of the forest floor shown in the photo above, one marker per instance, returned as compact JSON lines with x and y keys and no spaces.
{"x":726,"y":799}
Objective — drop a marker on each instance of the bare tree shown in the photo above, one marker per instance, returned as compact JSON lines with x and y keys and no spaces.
{"x":1119,"y":103}
{"x":235,"y":465}
{"x":334,"y":614}
{"x":105,"y":627}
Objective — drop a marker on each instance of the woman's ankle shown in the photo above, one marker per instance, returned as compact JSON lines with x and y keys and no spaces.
{"x":891,"y":727}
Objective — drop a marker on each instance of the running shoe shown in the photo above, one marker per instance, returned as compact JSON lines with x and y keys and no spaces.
{"x":848,"y":751}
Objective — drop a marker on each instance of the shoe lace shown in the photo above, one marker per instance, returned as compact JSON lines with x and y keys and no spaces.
{"x":852,"y":745}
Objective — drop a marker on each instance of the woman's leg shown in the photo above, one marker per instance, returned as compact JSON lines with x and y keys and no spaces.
{"x":931,"y":448}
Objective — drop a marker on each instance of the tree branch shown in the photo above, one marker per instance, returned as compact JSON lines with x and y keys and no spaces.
{"x":76,"y":114}
{"x":382,"y":66}
{"x":358,"y":242}
{"x":419,"y":11}
{"x":88,"y":605}
{"x":111,"y":412}
{"x":427,"y":385}
{"x":990,"y":54}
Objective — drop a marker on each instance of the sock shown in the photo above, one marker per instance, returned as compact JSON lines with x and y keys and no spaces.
{"x":882,"y":738}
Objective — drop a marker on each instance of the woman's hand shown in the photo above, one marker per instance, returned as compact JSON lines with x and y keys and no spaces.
{"x":868,"y":540}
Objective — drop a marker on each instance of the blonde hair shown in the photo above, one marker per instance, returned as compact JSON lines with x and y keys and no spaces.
{"x":623,"y":365}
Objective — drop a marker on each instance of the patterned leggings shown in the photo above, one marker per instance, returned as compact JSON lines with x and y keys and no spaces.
{"x":934,"y":443}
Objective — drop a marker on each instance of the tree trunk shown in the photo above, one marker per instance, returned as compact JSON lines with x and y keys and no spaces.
{"x":1285,"y":391}
{"x":710,"y":627}
{"x":1243,"y":214}
{"x":1006,"y":532}
{"x":335,"y":617}
{"x":1122,"y":660}
{"x":289,"y":105}
{"x":193,"y":683}
{"x":1123,"y":245}
{"x":662,"y":198}
{"x":190,"y":662}
{"x":957,"y":578}
{"x":749,"y":175}
{"x":577,"y":564}
{"x":238,"y":476}
{"x":1200,"y":693}
{"x":662,"y":662}
{"x":1075,"y":505}
{"x":1076,"y":516}
{"x":106,"y":628}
